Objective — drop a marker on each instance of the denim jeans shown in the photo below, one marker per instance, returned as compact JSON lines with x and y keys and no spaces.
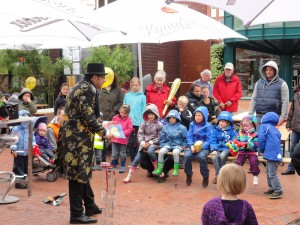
{"x":219,"y":160}
{"x":295,"y":138}
{"x":118,"y":149}
{"x":272,"y":178}
{"x":138,"y":158}
{"x":201,"y":156}
{"x":151,"y":153}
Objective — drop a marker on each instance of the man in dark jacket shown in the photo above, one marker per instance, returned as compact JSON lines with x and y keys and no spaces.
{"x":293,"y":124}
{"x":76,"y":140}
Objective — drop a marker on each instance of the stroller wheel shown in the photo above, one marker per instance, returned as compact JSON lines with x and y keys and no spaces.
{"x":51,"y":176}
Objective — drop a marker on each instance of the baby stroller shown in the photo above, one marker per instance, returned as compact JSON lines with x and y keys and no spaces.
{"x":41,"y":164}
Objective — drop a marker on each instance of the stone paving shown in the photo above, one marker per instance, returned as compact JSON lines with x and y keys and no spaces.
{"x":144,"y":201}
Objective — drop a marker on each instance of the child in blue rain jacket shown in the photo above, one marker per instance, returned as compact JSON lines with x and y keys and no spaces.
{"x":222,"y":133}
{"x":173,"y":138}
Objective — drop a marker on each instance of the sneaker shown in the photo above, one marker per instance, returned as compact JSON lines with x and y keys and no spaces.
{"x":214,"y":181}
{"x":255,"y":180}
{"x":269,"y":192}
{"x":276,"y":195}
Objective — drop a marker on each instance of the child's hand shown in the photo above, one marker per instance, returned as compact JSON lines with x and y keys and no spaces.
{"x":183,"y":148}
{"x":14,"y":154}
{"x":193,"y":149}
{"x":214,"y":152}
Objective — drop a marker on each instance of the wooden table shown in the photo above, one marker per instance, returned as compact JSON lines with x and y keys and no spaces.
{"x":42,"y":106}
{"x":49,"y":112}
{"x":30,"y":136}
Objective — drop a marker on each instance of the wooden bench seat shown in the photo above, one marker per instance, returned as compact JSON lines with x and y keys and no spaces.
{"x":232,"y":158}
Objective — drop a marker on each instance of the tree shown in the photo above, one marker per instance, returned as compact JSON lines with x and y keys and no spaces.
{"x":119,"y":58}
{"x":216,"y":60}
{"x":19,"y":65}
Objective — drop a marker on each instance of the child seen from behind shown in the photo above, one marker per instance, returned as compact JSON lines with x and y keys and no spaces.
{"x":269,"y":144}
{"x":228,"y":209}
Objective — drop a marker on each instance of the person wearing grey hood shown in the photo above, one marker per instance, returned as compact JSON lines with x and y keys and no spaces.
{"x":270,"y":94}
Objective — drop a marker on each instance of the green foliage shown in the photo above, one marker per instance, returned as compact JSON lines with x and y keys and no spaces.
{"x":119,"y":58}
{"x":22,"y":64}
{"x":216,"y":60}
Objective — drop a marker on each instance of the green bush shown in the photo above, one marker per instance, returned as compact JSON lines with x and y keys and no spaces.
{"x":119,"y":58}
{"x":216,"y":60}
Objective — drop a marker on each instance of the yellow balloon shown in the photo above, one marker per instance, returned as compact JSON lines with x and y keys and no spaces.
{"x":30,"y":83}
{"x":109,"y":77}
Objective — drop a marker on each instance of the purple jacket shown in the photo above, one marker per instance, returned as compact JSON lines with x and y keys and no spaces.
{"x":213,"y":214}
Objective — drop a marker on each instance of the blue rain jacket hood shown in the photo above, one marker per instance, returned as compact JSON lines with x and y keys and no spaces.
{"x":175,"y":114}
{"x":173,"y":135}
{"x":200,"y":131}
{"x":269,"y":138}
{"x":219,"y":137}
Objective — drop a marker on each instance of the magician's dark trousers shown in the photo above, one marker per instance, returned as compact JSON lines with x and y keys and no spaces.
{"x":80,"y":194}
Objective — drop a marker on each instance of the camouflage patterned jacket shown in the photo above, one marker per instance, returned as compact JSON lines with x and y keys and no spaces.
{"x":75,"y":142}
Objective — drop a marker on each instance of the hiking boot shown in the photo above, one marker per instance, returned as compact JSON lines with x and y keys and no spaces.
{"x":269,"y":192}
{"x":276,"y":195}
{"x":205,"y":182}
{"x":188,"y":180}
{"x":214,"y":181}
{"x":255,"y":180}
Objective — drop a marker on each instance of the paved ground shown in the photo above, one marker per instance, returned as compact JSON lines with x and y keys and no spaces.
{"x":144,"y":201}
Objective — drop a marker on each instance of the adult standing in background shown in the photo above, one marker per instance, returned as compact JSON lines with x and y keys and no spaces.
{"x":76,"y":141}
{"x":270,"y":94}
{"x":293,"y":124}
{"x":158,"y":92}
{"x":204,"y":81}
{"x":110,"y":100}
{"x":228,"y":89}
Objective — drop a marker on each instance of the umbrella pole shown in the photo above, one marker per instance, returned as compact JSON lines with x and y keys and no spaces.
{"x":140,"y":64}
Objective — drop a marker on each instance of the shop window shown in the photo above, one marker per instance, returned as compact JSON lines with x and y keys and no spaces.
{"x":248,"y":64}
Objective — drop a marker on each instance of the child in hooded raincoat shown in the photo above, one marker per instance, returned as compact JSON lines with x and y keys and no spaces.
{"x":173,"y":138}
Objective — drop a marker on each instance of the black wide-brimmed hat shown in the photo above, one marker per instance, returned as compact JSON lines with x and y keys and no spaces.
{"x":95,"y":69}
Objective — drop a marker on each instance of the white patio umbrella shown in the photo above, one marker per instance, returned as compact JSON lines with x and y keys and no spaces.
{"x":149,"y":21}
{"x":154,"y":21}
{"x":37,"y":21}
{"x":256,"y":12}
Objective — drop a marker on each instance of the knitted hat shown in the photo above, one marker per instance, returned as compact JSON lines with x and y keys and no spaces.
{"x":252,"y":119}
{"x":42,"y":126}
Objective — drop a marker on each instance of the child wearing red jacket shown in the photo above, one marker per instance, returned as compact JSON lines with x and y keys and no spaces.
{"x":119,"y":144}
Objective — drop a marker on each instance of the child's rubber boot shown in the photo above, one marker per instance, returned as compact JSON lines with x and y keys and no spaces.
{"x":159,"y":169}
{"x":122,"y":168}
{"x":130,"y":173}
{"x":176,"y":168}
